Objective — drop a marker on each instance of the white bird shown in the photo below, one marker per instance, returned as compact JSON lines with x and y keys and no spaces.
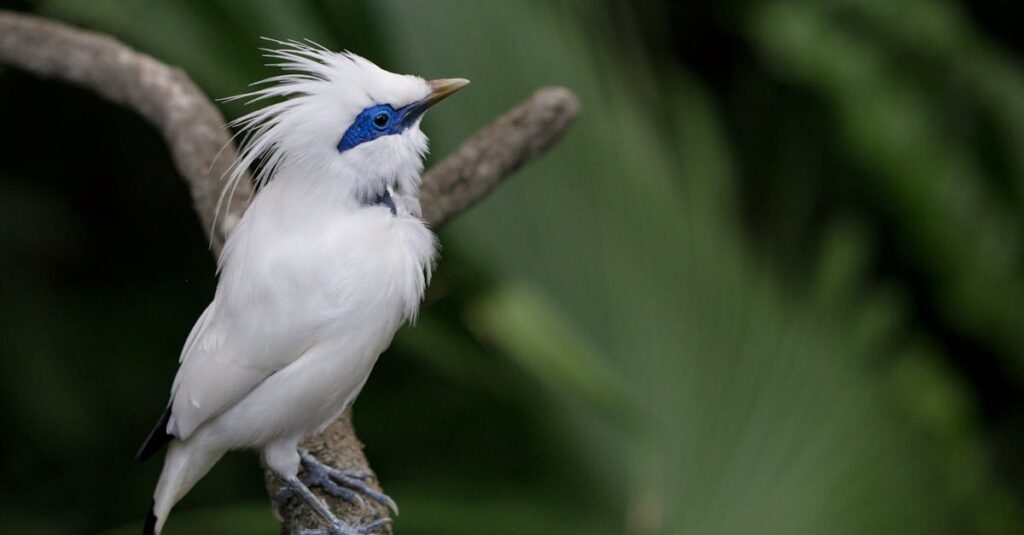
{"x":322,"y":269}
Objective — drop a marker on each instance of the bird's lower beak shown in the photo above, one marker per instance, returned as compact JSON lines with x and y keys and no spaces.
{"x":440,"y":89}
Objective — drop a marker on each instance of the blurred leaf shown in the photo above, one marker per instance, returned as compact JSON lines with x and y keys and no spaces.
{"x":548,"y":346}
{"x":927,"y":179}
{"x":765,"y":419}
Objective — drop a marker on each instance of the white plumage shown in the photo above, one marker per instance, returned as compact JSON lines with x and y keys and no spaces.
{"x":315,"y":278}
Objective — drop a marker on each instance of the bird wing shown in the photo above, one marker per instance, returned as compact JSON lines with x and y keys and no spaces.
{"x":221,"y":363}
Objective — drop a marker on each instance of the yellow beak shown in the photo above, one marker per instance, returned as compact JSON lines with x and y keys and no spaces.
{"x":441,"y":88}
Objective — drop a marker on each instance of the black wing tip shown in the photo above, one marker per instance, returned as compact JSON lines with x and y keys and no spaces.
{"x":157,"y":438}
{"x":150,"y":527}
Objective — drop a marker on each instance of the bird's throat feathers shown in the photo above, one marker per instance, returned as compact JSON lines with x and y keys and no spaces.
{"x":386,"y":166}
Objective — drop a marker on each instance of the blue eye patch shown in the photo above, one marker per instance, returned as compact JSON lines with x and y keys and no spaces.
{"x":380,"y":120}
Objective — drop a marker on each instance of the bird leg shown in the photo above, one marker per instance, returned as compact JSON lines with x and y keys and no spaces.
{"x":336,"y":526}
{"x":345,"y":484}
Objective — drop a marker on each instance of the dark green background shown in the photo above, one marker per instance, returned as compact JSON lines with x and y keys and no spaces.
{"x":771,"y":281}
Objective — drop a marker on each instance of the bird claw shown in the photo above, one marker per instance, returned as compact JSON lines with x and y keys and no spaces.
{"x":345,"y":484}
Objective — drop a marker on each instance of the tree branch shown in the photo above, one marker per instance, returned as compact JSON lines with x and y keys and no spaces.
{"x":191,"y":125}
{"x":194,"y":131}
{"x":489,"y":156}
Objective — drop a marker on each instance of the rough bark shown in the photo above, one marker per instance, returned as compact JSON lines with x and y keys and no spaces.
{"x":202,"y":151}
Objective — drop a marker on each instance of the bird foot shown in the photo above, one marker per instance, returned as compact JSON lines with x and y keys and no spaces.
{"x":298,"y":489}
{"x":345,"y":484}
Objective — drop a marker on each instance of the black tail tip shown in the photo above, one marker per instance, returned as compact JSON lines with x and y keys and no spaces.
{"x":157,"y":439}
{"x":150,"y":527}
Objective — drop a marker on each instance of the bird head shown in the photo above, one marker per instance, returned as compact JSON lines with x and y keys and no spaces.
{"x":338,"y":117}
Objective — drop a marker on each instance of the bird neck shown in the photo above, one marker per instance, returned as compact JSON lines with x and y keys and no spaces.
{"x":345,"y":189}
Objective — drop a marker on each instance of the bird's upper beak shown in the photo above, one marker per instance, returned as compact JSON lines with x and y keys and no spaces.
{"x":441,"y":88}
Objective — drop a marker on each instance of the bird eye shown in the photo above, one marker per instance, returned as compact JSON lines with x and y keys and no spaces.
{"x":381,"y":120}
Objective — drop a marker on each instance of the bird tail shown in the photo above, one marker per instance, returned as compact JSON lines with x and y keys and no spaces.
{"x":185,"y":464}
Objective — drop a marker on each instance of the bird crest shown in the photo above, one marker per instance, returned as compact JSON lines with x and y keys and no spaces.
{"x":311,"y":103}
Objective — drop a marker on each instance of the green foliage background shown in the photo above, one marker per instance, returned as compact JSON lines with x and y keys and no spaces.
{"x":771,"y":281}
